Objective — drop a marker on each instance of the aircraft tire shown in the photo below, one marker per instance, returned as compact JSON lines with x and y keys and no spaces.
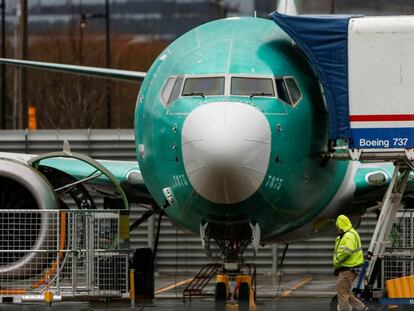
{"x":244,"y":297}
{"x":220,"y":296}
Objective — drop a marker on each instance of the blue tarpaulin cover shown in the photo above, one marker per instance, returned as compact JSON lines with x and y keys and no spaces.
{"x":324,"y":41}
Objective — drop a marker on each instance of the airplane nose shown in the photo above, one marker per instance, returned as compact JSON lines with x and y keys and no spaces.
{"x":226,"y":150}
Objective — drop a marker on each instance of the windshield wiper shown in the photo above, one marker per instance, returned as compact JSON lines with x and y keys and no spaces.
{"x":260,"y":94}
{"x":195,"y":94}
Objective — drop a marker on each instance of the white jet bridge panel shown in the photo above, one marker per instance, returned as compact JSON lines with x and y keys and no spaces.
{"x":381,"y":82}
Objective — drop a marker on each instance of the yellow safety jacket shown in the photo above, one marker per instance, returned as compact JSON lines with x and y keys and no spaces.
{"x":348,"y":250}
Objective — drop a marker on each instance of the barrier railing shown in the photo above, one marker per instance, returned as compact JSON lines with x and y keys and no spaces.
{"x":66,"y":252}
{"x":399,"y":255}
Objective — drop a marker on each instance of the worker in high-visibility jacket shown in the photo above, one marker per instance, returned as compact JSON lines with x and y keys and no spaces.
{"x":347,"y":259}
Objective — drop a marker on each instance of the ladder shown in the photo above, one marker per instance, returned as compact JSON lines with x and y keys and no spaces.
{"x":388,"y":210}
{"x":200,"y":281}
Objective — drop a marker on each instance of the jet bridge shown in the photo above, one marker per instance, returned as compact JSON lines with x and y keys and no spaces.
{"x":366,"y":70}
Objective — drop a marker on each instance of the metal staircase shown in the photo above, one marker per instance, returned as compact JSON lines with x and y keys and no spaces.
{"x":200,"y":281}
{"x":389,"y":207}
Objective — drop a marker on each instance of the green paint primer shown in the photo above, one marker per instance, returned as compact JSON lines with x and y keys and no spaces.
{"x":296,"y":187}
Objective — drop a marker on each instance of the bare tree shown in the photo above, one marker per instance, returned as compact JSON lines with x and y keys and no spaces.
{"x":70,"y":101}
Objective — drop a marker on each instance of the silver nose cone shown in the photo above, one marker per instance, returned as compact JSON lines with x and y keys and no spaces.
{"x":226,"y":150}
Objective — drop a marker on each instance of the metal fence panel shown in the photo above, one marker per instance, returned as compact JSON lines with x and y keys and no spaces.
{"x":70,"y":253}
{"x":399,"y":255}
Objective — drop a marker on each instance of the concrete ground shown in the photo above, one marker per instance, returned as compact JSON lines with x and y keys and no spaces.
{"x":292,"y":292}
{"x":268,"y":286}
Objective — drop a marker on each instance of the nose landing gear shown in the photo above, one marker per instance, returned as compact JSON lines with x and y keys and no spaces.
{"x":236,"y":290}
{"x":235,"y":280}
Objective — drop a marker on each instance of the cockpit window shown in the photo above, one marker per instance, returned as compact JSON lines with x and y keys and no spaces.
{"x":203,"y":86}
{"x":171,"y":90}
{"x":252,"y":86}
{"x":282,"y":92}
{"x":288,"y":90}
{"x":168,"y":87}
{"x":176,"y":90}
{"x":293,"y":89}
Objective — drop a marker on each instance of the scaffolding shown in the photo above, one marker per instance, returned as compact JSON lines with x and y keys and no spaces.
{"x":70,"y":253}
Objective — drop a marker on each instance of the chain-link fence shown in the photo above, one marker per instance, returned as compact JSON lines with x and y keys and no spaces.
{"x":70,"y":252}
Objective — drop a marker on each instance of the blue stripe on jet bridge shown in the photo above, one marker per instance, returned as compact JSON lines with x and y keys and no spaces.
{"x":396,"y":301}
{"x":382,"y":138}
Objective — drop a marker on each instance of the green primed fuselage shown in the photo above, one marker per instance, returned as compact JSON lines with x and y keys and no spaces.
{"x":296,"y":187}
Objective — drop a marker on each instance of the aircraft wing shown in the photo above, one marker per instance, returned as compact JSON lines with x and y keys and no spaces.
{"x":107,"y":177}
{"x":126,"y":75}
{"x":118,"y":175}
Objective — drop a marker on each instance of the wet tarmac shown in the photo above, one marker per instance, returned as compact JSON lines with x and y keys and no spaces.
{"x":293,"y":292}
{"x":286,"y":304}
